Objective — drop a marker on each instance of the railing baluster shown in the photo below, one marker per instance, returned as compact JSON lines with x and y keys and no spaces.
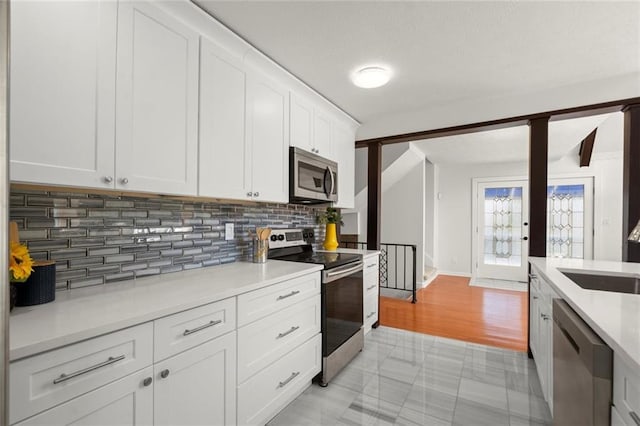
{"x":386,"y":262}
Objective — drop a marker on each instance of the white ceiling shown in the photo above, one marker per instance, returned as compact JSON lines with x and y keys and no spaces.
{"x":512,"y":144}
{"x":440,"y":52}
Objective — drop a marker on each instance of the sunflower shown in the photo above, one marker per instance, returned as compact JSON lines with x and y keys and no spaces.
{"x":20,"y":263}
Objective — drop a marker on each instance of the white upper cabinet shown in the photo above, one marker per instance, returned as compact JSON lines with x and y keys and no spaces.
{"x":345,"y":154}
{"x":223,"y":159}
{"x":301,"y":123}
{"x":157,"y":101}
{"x":322,"y":134}
{"x":310,"y":126}
{"x":268,"y":133}
{"x":63,"y":64}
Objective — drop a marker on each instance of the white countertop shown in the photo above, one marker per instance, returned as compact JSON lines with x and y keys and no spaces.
{"x":615,"y":317}
{"x":88,"y":312}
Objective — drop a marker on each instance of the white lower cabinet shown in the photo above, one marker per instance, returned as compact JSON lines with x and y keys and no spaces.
{"x":541,"y":332}
{"x":371,"y":291}
{"x":626,"y":393}
{"x":124,"y":402}
{"x":266,"y":393}
{"x":197,"y":387}
{"x":279,"y":346}
{"x":193,"y":367}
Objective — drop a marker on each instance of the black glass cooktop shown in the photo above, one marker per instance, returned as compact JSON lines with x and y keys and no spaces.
{"x":306,"y":255}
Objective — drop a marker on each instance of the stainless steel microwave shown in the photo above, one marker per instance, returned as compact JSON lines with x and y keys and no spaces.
{"x":312,"y":179}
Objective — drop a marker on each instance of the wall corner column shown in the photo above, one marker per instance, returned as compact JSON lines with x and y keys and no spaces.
{"x":631,"y":181}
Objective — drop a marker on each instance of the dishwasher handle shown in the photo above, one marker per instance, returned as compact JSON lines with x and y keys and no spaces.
{"x":594,"y":353}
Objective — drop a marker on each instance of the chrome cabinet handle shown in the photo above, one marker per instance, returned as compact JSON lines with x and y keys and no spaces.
{"x":124,"y":181}
{"x":372,"y":287}
{"x":370,"y":315}
{"x":635,"y":417}
{"x":108,"y":179}
{"x":535,"y":297}
{"x":256,"y":194}
{"x":147,"y":381}
{"x":249,"y":194}
{"x":286,"y":333}
{"x":202,"y":327}
{"x":372,"y":265}
{"x":544,"y":316}
{"x":64,"y":377}
{"x":164,"y":373}
{"x":288,"y":379}
{"x":293,"y":293}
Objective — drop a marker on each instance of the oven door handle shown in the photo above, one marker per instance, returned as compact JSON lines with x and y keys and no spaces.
{"x":341,"y":271}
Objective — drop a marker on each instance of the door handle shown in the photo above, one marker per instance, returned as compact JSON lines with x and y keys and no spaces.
{"x":525,"y":238}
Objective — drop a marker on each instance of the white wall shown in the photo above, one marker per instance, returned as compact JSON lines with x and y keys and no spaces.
{"x":403,"y":210}
{"x":430,"y":215}
{"x":455,"y":185}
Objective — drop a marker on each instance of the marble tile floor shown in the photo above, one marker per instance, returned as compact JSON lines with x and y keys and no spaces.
{"x":407,"y":378}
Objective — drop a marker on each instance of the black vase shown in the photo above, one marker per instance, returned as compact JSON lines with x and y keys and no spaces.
{"x":13,"y":294}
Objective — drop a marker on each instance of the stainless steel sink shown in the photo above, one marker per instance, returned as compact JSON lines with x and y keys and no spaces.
{"x":605,"y":282}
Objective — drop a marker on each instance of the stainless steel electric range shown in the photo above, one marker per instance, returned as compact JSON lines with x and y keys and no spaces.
{"x":342,"y":333}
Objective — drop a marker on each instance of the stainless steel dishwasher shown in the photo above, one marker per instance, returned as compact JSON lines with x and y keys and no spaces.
{"x":582,"y":371}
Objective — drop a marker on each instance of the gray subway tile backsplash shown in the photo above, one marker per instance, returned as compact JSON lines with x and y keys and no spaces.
{"x":101,"y":239}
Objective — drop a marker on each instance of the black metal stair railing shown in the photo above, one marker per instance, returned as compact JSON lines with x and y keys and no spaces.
{"x":397,"y":265}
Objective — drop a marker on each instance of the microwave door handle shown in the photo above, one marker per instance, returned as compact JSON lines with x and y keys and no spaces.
{"x":327,"y":193}
{"x":333,"y":182}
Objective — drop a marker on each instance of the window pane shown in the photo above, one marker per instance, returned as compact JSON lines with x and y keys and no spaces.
{"x":565,"y":221}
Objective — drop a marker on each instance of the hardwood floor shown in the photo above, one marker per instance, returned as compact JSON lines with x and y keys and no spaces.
{"x":449,"y":307}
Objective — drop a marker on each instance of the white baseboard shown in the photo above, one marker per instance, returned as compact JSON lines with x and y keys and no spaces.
{"x":456,"y":274}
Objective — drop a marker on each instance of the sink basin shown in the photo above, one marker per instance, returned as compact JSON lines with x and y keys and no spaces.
{"x":605,"y":282}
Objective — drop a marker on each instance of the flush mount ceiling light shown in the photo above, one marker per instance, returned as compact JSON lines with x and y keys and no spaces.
{"x":371,"y":77}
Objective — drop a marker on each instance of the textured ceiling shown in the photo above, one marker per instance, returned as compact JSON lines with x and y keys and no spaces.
{"x":440,"y":52}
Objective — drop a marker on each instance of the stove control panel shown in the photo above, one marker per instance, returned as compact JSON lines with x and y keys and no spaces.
{"x":291,"y":237}
{"x":285,"y":238}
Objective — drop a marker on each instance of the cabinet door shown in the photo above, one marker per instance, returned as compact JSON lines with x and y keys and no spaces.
{"x":268,"y":132}
{"x":345,"y":154}
{"x":301,"y":123}
{"x":198,"y":387}
{"x":545,"y":354}
{"x":534,"y":321}
{"x":322,"y":134}
{"x":63,"y":65}
{"x":223,"y":151}
{"x":124,"y":402}
{"x":157,"y":102}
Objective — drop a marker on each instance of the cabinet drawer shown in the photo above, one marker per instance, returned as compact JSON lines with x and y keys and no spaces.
{"x":184,"y":330}
{"x":371,"y":265}
{"x":266,"y":393}
{"x":263,"y":342}
{"x":626,"y":390}
{"x":260,"y":303}
{"x":370,"y":310}
{"x":42,"y":381}
{"x":371,"y":285}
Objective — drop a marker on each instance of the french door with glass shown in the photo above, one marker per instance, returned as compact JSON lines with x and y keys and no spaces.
{"x":502,"y":230}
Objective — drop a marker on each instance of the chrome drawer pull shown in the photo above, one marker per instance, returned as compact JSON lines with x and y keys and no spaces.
{"x":635,"y":417}
{"x":535,"y":297}
{"x":290,"y":378}
{"x":370,"y":315}
{"x":533,"y":276}
{"x":286,"y":333}
{"x":64,"y":377}
{"x":293,"y":293}
{"x":372,"y":265}
{"x":372,"y":287}
{"x":202,"y":327}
